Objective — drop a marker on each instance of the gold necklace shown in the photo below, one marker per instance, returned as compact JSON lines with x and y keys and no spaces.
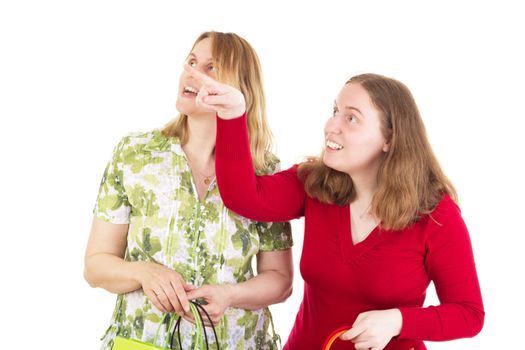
{"x":207,"y":178}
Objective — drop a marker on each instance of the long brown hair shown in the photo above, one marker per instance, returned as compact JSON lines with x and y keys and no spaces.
{"x":410,"y":179}
{"x":239,"y":66}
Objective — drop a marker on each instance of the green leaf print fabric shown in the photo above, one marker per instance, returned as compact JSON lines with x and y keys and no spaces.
{"x":148,"y":185}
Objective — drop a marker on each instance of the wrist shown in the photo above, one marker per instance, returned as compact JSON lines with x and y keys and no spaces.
{"x":230,"y":292}
{"x":398,"y":321}
{"x":233,"y":114}
{"x":137,"y":269}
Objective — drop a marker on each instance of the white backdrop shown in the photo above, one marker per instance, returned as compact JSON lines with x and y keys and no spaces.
{"x":75,"y":76}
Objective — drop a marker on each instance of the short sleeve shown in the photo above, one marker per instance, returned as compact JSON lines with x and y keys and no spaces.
{"x":274,"y":235}
{"x":112,"y":203}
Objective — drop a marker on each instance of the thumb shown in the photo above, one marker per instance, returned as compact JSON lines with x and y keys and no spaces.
{"x":197,"y":293}
{"x":188,"y":287}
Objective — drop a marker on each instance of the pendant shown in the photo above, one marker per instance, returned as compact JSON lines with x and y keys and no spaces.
{"x":207,"y":180}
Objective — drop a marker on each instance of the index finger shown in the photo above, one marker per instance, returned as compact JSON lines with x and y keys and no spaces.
{"x":199,"y":76}
{"x":353,"y":332}
{"x":181,"y":294}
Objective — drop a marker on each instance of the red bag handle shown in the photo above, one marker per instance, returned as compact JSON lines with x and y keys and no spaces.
{"x":333,"y":336}
{"x":336,"y":334}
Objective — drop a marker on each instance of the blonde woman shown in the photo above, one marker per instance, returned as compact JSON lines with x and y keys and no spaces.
{"x":160,"y":229}
{"x":381,"y":221}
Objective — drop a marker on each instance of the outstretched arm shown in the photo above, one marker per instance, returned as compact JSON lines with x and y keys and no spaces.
{"x":278,"y":197}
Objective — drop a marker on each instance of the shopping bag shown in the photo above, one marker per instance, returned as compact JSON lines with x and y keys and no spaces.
{"x":121,"y":343}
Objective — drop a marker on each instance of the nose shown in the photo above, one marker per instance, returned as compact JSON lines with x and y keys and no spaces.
{"x":200,"y":67}
{"x":195,"y":81}
{"x":333,"y":125}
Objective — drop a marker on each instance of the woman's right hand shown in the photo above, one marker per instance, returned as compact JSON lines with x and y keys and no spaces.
{"x":164,"y":287}
{"x":227,"y":101}
{"x":105,"y":267}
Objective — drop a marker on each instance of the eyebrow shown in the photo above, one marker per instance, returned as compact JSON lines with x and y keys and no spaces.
{"x":193,"y":55}
{"x":355,"y":109}
{"x":350,"y":107}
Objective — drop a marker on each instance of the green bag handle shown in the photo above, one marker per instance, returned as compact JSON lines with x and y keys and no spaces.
{"x":129,"y":344}
{"x":195,"y":307}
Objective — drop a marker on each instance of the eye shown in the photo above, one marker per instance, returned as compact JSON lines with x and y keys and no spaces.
{"x":351,"y":118}
{"x":192,"y":63}
{"x":212,"y":68}
{"x":335,"y":111}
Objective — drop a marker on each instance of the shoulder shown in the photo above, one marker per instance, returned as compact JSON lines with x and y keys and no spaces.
{"x":445,"y":223}
{"x":147,"y":141}
{"x":446,"y":210}
{"x":273,"y":165}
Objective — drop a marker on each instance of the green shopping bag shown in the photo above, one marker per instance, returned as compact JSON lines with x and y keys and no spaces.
{"x":122,"y":343}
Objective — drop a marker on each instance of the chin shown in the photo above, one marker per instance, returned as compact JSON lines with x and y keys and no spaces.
{"x":333,"y":165}
{"x":183,"y":107}
{"x":329,"y":164}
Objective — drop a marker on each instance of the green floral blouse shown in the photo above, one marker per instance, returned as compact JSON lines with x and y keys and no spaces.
{"x":148,"y":185}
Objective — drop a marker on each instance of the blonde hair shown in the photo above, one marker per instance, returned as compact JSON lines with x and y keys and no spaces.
{"x":410,"y":179}
{"x":238,"y":65}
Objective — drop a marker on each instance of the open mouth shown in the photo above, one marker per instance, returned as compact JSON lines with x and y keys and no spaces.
{"x":190,"y":91}
{"x":333,"y":145}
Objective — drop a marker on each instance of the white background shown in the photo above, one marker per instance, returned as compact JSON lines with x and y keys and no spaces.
{"x":75,"y":76}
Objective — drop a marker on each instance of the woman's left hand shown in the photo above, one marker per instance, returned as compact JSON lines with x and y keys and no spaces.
{"x":224,"y":99}
{"x":217,"y":297}
{"x":374,"y":329}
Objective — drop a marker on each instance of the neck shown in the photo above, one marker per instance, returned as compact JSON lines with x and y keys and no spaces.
{"x":201,"y":139}
{"x":365,"y":186}
{"x":364,"y":191}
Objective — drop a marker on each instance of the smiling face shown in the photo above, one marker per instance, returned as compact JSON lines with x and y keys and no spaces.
{"x":201,"y":59}
{"x":354,"y":139}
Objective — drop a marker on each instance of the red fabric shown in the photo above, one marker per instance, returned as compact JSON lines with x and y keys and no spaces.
{"x":389,"y":269}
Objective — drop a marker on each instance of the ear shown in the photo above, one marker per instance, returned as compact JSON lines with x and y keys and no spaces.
{"x":388,"y":140}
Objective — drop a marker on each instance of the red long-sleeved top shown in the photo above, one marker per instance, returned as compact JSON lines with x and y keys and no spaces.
{"x":389,"y":269}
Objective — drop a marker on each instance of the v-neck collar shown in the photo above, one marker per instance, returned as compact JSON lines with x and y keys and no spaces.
{"x":350,"y":250}
{"x":178,"y":150}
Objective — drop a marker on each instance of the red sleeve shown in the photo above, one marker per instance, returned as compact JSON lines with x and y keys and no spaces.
{"x":277,"y":197}
{"x":450,"y":264}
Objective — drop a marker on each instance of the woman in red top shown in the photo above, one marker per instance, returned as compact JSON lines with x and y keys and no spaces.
{"x":381,"y":220}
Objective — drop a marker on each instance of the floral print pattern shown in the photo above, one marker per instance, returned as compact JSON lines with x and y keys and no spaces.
{"x":148,"y":185}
